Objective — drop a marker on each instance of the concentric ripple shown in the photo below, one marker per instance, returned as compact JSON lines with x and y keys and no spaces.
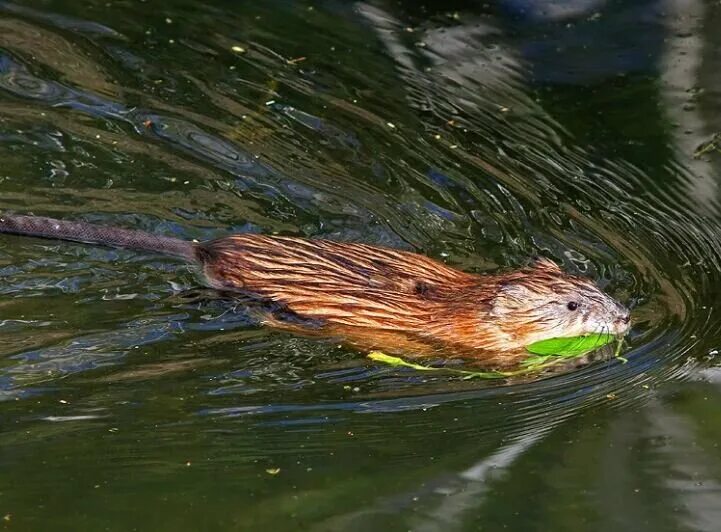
{"x":447,"y":134}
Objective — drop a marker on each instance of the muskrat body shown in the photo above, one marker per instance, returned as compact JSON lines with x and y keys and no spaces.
{"x":374,"y":297}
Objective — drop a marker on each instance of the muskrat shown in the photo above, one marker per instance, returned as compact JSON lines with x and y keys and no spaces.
{"x":373,"y":297}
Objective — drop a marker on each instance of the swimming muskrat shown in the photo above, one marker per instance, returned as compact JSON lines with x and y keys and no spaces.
{"x":375,"y":297}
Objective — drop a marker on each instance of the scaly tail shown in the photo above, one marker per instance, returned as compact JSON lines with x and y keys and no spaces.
{"x":42,"y":227}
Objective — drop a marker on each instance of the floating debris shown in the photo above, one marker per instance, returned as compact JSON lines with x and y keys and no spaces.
{"x":708,"y":146}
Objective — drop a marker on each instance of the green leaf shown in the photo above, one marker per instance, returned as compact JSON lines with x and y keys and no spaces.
{"x":570,"y":347}
{"x":542,"y":355}
{"x":378,"y":356}
{"x":536,"y":363}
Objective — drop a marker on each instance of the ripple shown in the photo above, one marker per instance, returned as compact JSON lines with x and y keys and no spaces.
{"x":443,"y":142}
{"x":81,"y":26}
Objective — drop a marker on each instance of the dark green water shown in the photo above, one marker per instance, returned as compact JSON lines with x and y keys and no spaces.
{"x":479,"y":134}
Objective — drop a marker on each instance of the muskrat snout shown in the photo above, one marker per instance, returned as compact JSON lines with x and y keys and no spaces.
{"x":622,"y":322}
{"x":547,"y":303}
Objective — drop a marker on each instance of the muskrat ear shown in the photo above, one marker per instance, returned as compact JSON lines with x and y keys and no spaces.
{"x":511,"y":296}
{"x":546,"y":265}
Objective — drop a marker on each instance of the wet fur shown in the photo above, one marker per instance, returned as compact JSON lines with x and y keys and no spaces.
{"x":366,"y":296}
{"x":380,"y":298}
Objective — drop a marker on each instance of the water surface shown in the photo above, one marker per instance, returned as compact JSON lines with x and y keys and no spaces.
{"x":481,"y":135}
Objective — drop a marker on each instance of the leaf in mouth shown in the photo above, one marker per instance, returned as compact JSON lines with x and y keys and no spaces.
{"x":544,"y":354}
{"x":570,"y":347}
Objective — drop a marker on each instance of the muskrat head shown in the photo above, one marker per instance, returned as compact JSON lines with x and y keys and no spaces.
{"x":544,"y":302}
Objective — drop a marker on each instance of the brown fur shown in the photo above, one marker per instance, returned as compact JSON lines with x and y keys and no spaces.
{"x":376,"y":298}
{"x":373,"y":297}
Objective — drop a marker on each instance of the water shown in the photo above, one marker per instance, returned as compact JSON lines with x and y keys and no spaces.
{"x":480,"y":134}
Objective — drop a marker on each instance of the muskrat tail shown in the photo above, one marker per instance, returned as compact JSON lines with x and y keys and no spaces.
{"x":39,"y":226}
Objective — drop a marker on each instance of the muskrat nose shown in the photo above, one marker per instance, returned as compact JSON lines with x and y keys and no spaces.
{"x":624,"y":318}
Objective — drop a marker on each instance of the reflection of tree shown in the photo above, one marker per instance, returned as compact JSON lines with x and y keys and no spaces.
{"x":589,"y":53}
{"x":445,"y":502}
{"x":653,"y":468}
{"x":680,"y":465}
{"x":683,"y":64}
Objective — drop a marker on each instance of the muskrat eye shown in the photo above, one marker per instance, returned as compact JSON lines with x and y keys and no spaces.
{"x":572,"y":305}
